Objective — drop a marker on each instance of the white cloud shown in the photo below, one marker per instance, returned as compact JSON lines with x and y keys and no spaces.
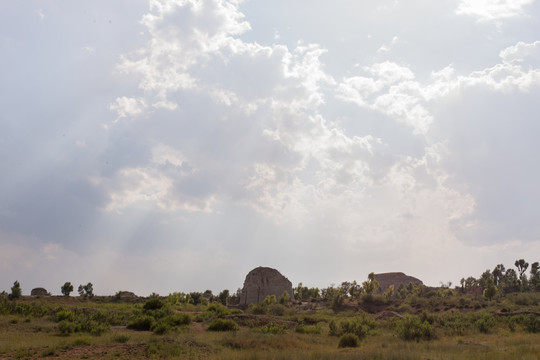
{"x":521,"y":51}
{"x":391,"y":90}
{"x":490,"y":10}
{"x":125,"y":106}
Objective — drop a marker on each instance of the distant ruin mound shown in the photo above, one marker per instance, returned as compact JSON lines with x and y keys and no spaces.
{"x":396,"y":279}
{"x":261,"y":282}
{"x":39,"y":292}
{"x":125,"y":295}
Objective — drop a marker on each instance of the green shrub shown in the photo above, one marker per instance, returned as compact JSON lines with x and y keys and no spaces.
{"x":218,"y":310}
{"x":276,"y":309}
{"x":67,"y":327}
{"x":223,"y":325}
{"x":161,"y":328}
{"x":257,"y":309}
{"x":411,"y":328}
{"x":153,"y":304}
{"x":360,"y":326}
{"x":141,"y":323}
{"x":348,"y":340}
{"x":273,"y":328}
{"x":65,"y":315}
{"x":532,"y":323}
{"x":179,"y":319}
{"x":485,"y":323}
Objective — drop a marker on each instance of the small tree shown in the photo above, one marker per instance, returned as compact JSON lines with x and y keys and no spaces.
{"x":284,"y":298}
{"x":15,"y":291}
{"x":66,"y":289}
{"x":370,"y":286}
{"x":223,"y":297}
{"x":86,"y":290}
{"x":491,"y":290}
{"x":389,"y":292}
{"x":534,"y":280}
{"x":269,"y":300}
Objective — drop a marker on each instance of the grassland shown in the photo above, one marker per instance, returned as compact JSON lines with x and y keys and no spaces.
{"x":452,"y":327}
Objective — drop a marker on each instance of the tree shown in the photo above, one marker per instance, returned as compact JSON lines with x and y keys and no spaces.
{"x":223,"y":297}
{"x":86,"y":290}
{"x":15,"y":291}
{"x":66,"y":289}
{"x":269,"y":300}
{"x":371,"y":285}
{"x":284,"y":298}
{"x":484,"y":278}
{"x":490,"y":290}
{"x":534,"y":280}
{"x":389,"y":292}
{"x":498,"y":274}
{"x":509,"y":281}
{"x":522,"y":266}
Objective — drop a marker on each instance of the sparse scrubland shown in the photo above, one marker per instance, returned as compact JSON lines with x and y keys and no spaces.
{"x":491,"y":317}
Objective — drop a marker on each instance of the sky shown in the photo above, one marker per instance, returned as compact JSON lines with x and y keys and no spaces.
{"x":175,"y":145}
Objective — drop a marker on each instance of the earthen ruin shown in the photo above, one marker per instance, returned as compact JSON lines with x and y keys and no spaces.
{"x":39,"y":292}
{"x":394,"y":278}
{"x":262,"y":282}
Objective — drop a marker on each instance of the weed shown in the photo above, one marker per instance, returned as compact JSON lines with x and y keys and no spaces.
{"x":121,"y":338}
{"x":303,"y":329}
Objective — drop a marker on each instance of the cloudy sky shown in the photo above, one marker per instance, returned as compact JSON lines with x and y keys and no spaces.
{"x":174,"y":145}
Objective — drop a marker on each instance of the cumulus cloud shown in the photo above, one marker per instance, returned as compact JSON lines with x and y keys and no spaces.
{"x":391,"y":90}
{"x":520,"y":52}
{"x":491,"y":10}
{"x":125,"y":106}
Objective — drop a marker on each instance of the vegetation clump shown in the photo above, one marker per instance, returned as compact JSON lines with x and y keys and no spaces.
{"x":411,"y":328}
{"x":223,"y":325}
{"x":348,"y":340}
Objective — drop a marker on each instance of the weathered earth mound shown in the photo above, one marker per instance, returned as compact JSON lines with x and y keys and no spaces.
{"x":125,"y":295}
{"x":39,"y":292}
{"x":396,"y":279}
{"x":261,"y":282}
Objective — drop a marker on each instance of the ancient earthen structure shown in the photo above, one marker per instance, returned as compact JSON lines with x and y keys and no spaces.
{"x":396,"y":279}
{"x":39,"y":292}
{"x":261,"y":282}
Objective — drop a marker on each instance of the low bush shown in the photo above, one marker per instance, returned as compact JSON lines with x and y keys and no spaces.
{"x":223,"y":325}
{"x":273,"y":328}
{"x":411,"y":328}
{"x":153,"y":304}
{"x":162,"y":327}
{"x":360,"y":326}
{"x":485,"y":323}
{"x":217,"y":310}
{"x":348,"y":340}
{"x":276,"y":309}
{"x":532,"y":323}
{"x":65,"y":315}
{"x":66,"y":327}
{"x":141,"y":323}
{"x":179,"y":319}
